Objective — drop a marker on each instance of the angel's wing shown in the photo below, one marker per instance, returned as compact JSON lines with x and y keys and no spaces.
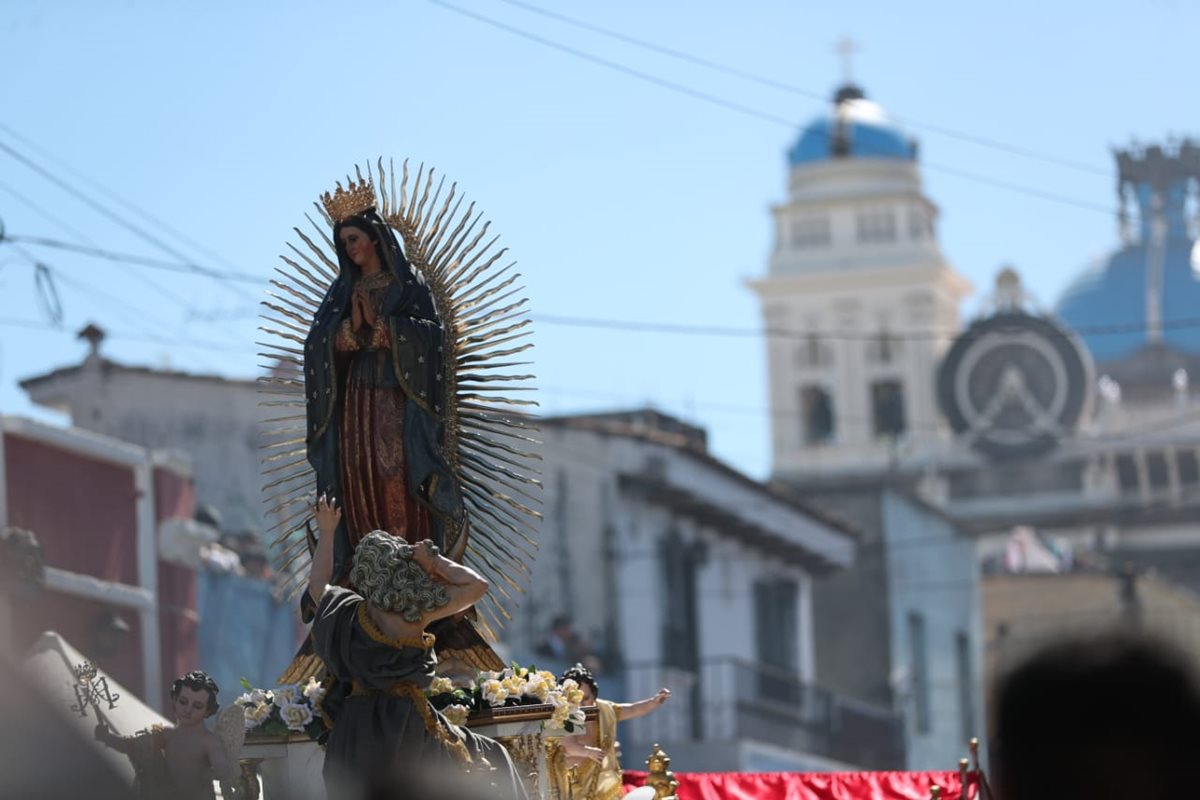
{"x":231,"y":730}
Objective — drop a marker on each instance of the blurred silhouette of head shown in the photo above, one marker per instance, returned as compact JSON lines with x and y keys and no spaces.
{"x":1110,"y":717}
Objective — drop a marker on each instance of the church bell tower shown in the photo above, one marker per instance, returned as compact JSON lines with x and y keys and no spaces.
{"x":858,"y":300}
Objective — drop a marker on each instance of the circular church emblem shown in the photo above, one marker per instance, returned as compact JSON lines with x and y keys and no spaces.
{"x":1013,"y":384}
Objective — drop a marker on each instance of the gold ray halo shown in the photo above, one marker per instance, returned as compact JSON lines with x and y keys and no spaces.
{"x":489,"y":443}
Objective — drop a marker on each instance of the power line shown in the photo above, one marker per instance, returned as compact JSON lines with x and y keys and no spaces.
{"x":844,"y":424}
{"x":59,"y":222}
{"x":630,"y":326}
{"x":199,"y":344}
{"x":642,"y":326}
{"x":613,"y":65}
{"x":41,"y":211}
{"x":801,"y":91}
{"x":756,"y":113}
{"x":118,"y":198}
{"x":701,"y":406}
{"x":729,"y":331}
{"x":128,"y":258}
{"x":636,"y":326}
{"x":96,"y":251}
{"x":108,"y":213}
{"x":139,"y":316}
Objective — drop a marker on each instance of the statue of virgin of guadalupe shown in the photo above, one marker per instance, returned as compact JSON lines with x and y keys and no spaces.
{"x":404,"y":428}
{"x":373,"y":364}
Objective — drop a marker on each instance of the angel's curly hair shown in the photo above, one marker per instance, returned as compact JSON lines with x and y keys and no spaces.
{"x":581,"y":675}
{"x":386,"y":575}
{"x":198,"y":681}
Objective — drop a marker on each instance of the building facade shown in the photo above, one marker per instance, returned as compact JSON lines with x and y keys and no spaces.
{"x":215,"y":420}
{"x":682,"y":572}
{"x":1079,"y":423}
{"x":861,"y":306}
{"x":246,"y":629}
{"x":105,"y":515}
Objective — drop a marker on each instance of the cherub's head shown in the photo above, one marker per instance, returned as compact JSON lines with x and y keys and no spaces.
{"x":387,"y":576}
{"x":194,"y":698}
{"x":587,"y":683}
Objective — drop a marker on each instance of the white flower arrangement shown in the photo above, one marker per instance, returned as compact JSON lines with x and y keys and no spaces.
{"x":515,"y":686}
{"x":284,"y":710}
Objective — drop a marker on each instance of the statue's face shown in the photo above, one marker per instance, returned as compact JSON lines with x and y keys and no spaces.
{"x":191,"y":707}
{"x":359,"y":248}
{"x":589,"y":697}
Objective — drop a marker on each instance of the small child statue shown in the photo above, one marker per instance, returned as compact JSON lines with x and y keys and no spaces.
{"x":588,"y":766}
{"x":180,"y":761}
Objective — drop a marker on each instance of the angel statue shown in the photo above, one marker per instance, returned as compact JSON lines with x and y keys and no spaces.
{"x":386,"y":738}
{"x":403,"y":422}
{"x":182,"y":761}
{"x":588,"y":767}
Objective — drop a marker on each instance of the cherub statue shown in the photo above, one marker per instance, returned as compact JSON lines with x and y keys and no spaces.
{"x":182,"y":761}
{"x":588,"y":767}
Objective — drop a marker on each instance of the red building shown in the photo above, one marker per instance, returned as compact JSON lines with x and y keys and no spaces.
{"x":97,"y":507}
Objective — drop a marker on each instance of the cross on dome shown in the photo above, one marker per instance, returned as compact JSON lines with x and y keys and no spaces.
{"x":846,"y":48}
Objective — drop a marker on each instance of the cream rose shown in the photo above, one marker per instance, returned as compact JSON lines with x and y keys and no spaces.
{"x":296,"y":715}
{"x":256,"y":714}
{"x":287,"y":694}
{"x":456,"y":714}
{"x":494,"y":692}
{"x":535,"y":687}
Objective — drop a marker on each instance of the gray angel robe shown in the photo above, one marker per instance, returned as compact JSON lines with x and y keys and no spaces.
{"x":386,"y":739}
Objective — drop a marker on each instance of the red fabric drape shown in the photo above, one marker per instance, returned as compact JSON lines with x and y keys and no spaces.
{"x":808,"y":785}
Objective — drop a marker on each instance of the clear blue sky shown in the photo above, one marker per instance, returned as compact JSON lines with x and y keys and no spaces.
{"x":620,"y":199}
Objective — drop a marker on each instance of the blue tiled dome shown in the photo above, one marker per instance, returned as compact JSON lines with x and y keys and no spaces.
{"x":1113,"y":293}
{"x":857,"y":128}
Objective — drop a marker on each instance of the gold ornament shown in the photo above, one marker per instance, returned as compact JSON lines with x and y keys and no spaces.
{"x":359,"y":196}
{"x":660,"y":775}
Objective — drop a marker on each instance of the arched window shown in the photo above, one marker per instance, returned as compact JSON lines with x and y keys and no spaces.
{"x":817,"y":414}
{"x":887,"y":408}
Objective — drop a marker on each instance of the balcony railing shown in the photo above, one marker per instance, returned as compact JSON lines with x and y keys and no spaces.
{"x":728,"y":699}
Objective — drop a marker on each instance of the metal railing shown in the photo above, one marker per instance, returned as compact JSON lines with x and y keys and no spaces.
{"x":728,"y":699}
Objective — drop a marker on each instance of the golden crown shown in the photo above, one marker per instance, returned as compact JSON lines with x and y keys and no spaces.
{"x":345,"y":203}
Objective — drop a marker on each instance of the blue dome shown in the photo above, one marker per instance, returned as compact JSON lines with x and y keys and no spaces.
{"x":1113,"y":293}
{"x":857,"y":128}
